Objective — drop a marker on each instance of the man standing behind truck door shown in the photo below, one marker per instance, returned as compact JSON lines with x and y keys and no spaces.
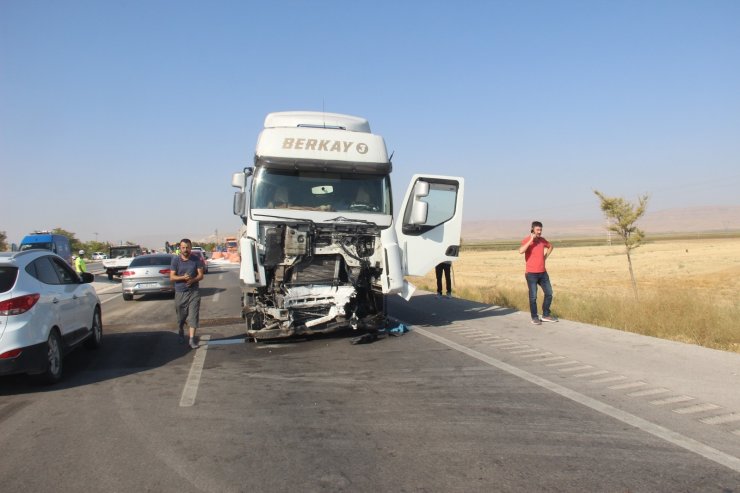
{"x":185,"y":271}
{"x":536,"y":249}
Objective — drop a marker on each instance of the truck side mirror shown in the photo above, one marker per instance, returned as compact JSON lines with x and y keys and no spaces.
{"x":238,"y":180}
{"x":419,"y":209}
{"x":240,"y":203}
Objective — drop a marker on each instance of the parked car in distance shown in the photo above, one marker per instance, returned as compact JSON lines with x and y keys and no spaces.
{"x":202,"y":258}
{"x":147,"y":274}
{"x":46,"y":310}
{"x":99,"y":256}
{"x":201,"y":250}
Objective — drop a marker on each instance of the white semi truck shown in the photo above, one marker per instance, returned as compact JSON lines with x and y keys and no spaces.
{"x":320,"y":247}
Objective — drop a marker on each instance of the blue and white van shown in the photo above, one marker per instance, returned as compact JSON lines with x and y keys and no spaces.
{"x":58,"y":244}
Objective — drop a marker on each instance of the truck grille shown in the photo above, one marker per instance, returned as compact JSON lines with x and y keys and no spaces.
{"x":320,"y":270}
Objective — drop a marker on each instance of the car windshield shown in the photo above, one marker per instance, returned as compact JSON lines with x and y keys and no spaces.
{"x":321,"y":191}
{"x":8,"y":276}
{"x":154,"y":260}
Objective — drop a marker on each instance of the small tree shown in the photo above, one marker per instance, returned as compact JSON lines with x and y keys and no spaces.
{"x":3,"y":241}
{"x":622,"y":216}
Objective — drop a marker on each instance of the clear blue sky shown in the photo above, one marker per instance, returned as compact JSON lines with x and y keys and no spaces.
{"x":127,"y":118}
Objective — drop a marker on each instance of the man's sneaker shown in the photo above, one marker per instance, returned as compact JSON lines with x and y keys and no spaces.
{"x":536,"y":321}
{"x":549,"y":318}
{"x":193,"y":344}
{"x":448,"y":295}
{"x":439,"y":295}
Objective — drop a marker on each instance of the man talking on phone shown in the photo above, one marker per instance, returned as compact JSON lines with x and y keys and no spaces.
{"x":536,"y":249}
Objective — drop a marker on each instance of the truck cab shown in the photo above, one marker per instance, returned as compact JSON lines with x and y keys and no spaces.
{"x":320,"y":247}
{"x":45,"y":240}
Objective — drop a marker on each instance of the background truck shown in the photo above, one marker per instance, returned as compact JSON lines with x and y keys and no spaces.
{"x":45,"y":240}
{"x":119,"y":259}
{"x":320,"y":247}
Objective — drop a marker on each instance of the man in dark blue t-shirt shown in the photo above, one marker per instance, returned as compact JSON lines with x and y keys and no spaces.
{"x":186,"y":271}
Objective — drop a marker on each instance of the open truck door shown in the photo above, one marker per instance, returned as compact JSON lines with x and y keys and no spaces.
{"x":430,"y":222}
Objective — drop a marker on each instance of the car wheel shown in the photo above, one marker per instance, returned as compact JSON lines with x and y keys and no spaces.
{"x":94,"y":341}
{"x":128,"y":296}
{"x":53,"y":372}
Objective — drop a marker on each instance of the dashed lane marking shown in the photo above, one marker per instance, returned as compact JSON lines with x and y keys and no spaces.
{"x":699,"y":408}
{"x":718,"y":420}
{"x":575,"y":368}
{"x":563,"y":363}
{"x":615,"y":378}
{"x":671,"y":400}
{"x":590,"y":374}
{"x":545,"y":360}
{"x":626,"y":386}
{"x":645,"y":393}
{"x":654,"y":429}
{"x":196,"y":369}
{"x":525,"y":351}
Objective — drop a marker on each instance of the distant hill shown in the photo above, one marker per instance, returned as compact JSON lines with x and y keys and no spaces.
{"x":684,"y":220}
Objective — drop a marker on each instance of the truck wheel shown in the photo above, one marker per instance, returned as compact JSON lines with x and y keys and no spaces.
{"x":110,"y":276}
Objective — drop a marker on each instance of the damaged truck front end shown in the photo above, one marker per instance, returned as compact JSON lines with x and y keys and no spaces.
{"x":319,"y":246}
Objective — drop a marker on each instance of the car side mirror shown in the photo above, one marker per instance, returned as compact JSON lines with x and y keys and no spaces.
{"x":87,"y":277}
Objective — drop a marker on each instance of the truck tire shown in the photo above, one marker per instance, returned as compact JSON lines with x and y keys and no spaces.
{"x":110,"y":276}
{"x":128,"y":296}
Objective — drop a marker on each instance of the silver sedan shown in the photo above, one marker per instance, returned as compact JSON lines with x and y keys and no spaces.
{"x":147,"y":274}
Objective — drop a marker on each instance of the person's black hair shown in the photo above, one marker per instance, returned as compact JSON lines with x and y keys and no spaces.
{"x":535,"y":224}
{"x":187,"y":241}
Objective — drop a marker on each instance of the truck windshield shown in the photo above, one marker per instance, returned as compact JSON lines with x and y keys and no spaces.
{"x":321,"y":191}
{"x":37,"y":246}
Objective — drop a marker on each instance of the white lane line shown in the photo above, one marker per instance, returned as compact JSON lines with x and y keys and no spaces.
{"x":575,"y":368}
{"x":718,"y":420}
{"x":520,"y":346}
{"x":590,"y":374}
{"x":216,"y":297}
{"x":467,"y":332}
{"x":537,"y":355}
{"x":736,"y":432}
{"x":220,"y":277}
{"x":525,"y":351}
{"x":699,"y":408}
{"x":503,"y":344}
{"x":672,"y":400}
{"x":654,"y":429}
{"x":196,"y":369}
{"x":626,"y":386}
{"x":482,"y":336}
{"x":645,"y":393}
{"x":563,"y":363}
{"x":615,"y":378}
{"x":551,"y":358}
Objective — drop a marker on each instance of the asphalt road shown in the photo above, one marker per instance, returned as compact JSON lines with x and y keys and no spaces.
{"x":473,"y":398}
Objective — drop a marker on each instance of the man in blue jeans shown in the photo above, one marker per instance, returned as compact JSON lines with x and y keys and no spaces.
{"x":536,"y":249}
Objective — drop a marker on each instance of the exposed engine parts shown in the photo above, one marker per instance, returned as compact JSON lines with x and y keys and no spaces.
{"x":318,"y":278}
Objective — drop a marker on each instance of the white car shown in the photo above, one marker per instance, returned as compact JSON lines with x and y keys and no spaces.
{"x":99,"y":256}
{"x":46,"y":310}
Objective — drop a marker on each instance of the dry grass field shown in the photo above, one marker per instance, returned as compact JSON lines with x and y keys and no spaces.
{"x":689,"y":290}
